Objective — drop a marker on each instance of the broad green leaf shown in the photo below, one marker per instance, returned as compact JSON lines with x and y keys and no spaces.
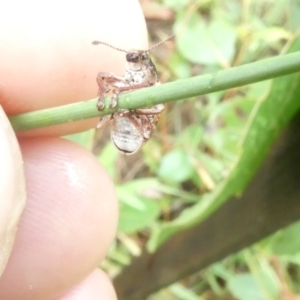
{"x":179,"y":66}
{"x":287,"y":242}
{"x":269,"y":116}
{"x":244,"y":287}
{"x":136,"y":210}
{"x":295,"y":14}
{"x":205,"y":43}
{"x":176,"y":166}
{"x":294,"y":259}
{"x":225,"y":126}
{"x":191,"y":137}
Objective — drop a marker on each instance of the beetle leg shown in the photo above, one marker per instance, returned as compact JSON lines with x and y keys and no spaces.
{"x":147,"y":125}
{"x":126,"y":88}
{"x":134,"y":86}
{"x":114,"y":98}
{"x":106,"y":82}
{"x":142,"y":124}
{"x":103,"y":84}
{"x":104,"y":121}
{"x":122,"y":113}
{"x":155,"y":110}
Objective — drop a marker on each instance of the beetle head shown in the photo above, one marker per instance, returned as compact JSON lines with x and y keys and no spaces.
{"x":136,"y":59}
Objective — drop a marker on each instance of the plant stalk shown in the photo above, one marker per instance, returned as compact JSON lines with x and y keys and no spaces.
{"x":173,"y":91}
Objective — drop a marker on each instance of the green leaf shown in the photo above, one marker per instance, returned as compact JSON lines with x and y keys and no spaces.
{"x":176,"y":166}
{"x":226,"y":124}
{"x":287,"y":242}
{"x":269,"y":116}
{"x":206,"y":43}
{"x":179,"y":66}
{"x":295,"y":14}
{"x":244,"y":287}
{"x":191,"y":137}
{"x":136,"y":210}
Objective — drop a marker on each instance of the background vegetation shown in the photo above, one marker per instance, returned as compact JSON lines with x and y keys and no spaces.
{"x":205,"y":149}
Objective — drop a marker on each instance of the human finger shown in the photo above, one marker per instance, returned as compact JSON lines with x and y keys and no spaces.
{"x":12,"y":188}
{"x":96,"y":286}
{"x":68,"y":224}
{"x":47,"y":58}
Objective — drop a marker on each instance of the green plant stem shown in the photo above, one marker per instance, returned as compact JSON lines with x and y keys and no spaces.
{"x":173,"y":91}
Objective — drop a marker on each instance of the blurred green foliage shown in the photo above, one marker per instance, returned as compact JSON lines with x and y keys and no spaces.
{"x":200,"y":144}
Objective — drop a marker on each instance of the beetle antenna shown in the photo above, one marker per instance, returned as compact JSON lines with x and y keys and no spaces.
{"x":122,"y":50}
{"x":106,"y":44}
{"x":162,"y":42}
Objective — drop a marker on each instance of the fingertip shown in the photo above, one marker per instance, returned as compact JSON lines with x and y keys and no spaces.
{"x":96,"y":286}
{"x":69,"y":222}
{"x":12,"y":188}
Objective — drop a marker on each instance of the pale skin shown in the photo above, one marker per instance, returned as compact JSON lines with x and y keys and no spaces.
{"x":70,"y":216}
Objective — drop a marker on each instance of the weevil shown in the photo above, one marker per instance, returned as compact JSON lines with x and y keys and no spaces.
{"x":130,"y":128}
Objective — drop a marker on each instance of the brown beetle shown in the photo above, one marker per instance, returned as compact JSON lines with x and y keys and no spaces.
{"x":130,"y":128}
